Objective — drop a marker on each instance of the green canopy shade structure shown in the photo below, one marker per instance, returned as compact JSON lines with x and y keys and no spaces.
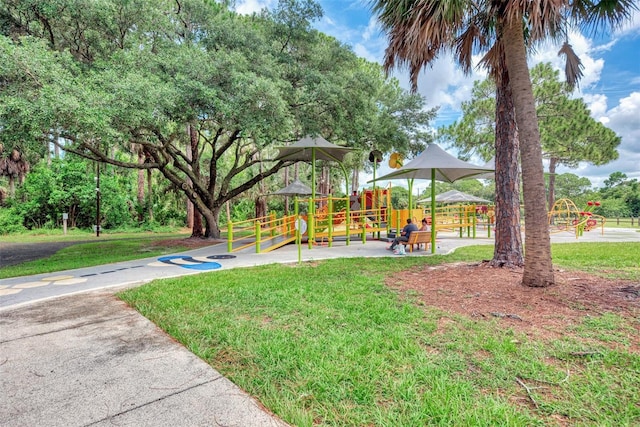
{"x":435,"y":164}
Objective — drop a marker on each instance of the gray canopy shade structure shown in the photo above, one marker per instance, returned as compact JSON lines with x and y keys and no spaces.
{"x":435,"y":164}
{"x":312,"y":149}
{"x":490,"y":175}
{"x":434,"y":159}
{"x":455,"y":196}
{"x":296,"y":188}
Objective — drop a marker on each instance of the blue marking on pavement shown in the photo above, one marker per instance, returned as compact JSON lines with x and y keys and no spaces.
{"x":169,"y":258}
{"x":198,"y":266}
{"x":203,"y":266}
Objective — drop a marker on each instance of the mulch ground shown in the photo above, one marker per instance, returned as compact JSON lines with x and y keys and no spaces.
{"x":484,"y":293}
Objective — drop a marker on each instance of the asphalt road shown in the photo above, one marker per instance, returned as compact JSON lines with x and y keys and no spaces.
{"x":17,"y":253}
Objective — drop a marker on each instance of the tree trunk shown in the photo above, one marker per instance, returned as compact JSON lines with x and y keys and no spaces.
{"x":196,"y":230}
{"x":188,"y":153}
{"x":508,"y":239}
{"x":538,"y":268}
{"x":190,"y":214}
{"x":552,"y":181}
{"x":260,"y":207}
{"x":212,"y":229}
{"x":47,"y":151}
{"x":149,"y":203}
{"x":355,"y":180}
{"x":12,"y":185}
{"x":140,"y":193}
{"x":56,"y":149}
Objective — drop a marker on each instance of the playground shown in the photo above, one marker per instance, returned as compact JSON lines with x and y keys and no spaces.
{"x":564,"y":216}
{"x":360,"y":217}
{"x":370,"y":216}
{"x":322,"y":220}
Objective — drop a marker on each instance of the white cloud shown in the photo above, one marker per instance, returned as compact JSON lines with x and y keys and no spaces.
{"x":372,"y":31}
{"x":597,"y":105}
{"x":443,"y":83}
{"x":622,"y":119}
{"x":369,"y":43}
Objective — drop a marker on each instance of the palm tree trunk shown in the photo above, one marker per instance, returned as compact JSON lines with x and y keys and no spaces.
{"x":538,"y":268}
{"x":508,"y":239}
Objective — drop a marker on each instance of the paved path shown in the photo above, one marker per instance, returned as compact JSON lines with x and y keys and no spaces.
{"x":72,"y":354}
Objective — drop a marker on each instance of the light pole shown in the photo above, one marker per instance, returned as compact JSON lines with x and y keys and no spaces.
{"x":97,"y":178}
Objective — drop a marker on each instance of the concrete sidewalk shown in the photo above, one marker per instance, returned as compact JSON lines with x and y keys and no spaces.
{"x":89,"y":360}
{"x":72,"y":354}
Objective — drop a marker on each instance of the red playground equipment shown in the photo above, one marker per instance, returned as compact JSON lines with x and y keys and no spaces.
{"x":564,"y":215}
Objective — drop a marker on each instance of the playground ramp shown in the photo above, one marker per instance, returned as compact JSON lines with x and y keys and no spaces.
{"x":266,"y":244}
{"x":269,"y":233}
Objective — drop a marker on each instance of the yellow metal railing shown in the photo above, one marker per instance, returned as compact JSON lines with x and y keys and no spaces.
{"x":267,"y":231}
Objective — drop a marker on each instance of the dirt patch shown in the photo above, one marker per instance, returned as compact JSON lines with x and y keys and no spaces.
{"x":485,"y":293}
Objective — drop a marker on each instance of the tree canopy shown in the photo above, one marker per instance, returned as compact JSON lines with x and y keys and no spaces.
{"x":200,"y":93}
{"x":569,"y":135}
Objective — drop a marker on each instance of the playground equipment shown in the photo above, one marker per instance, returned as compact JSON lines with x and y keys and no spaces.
{"x":564,"y":216}
{"x":321,"y":225}
{"x":359,"y":214}
{"x":460,"y":218}
{"x":435,"y":164}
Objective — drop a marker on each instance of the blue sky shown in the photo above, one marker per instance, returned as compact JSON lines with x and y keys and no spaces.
{"x":610,"y":86}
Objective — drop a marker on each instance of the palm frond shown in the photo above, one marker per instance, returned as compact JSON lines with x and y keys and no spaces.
{"x":418,"y":31}
{"x":602,"y":15}
{"x":573,"y":66}
{"x":465,"y":45}
{"x":493,"y":61}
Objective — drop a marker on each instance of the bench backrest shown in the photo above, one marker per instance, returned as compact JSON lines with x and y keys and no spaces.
{"x":419,"y":237}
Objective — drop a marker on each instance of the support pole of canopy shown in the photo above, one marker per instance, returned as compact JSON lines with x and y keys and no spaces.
{"x":311,"y":231}
{"x":433,"y":211}
{"x":373,"y":195}
{"x":298,"y":227}
{"x":410,"y":185}
{"x":347,"y":210}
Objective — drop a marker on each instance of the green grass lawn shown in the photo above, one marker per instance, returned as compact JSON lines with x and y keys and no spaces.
{"x":111,"y":248}
{"x":327,"y":343}
{"x":623,"y":223}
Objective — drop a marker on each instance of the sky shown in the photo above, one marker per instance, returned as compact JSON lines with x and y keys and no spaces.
{"x":610,"y":85}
